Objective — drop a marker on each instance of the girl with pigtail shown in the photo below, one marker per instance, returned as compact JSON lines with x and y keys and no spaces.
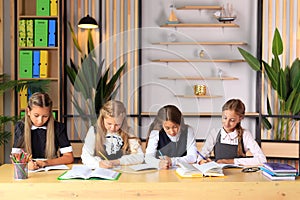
{"x":231,"y":142}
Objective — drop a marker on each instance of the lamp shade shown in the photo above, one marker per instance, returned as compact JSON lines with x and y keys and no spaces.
{"x":87,"y":23}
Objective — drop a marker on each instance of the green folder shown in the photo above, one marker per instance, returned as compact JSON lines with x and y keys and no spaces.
{"x":40,"y":33}
{"x":25,"y":65}
{"x":43,"y":7}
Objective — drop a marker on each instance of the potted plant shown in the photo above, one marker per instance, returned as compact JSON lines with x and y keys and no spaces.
{"x":285,"y":81}
{"x":93,"y":84}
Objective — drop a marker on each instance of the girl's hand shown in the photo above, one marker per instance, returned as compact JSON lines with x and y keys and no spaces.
{"x":204,"y":161}
{"x":32,"y":165}
{"x":106,"y":164}
{"x":165,"y":162}
{"x":226,"y":161}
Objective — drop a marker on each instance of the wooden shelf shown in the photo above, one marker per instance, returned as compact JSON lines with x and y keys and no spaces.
{"x":28,"y":79}
{"x":37,"y":17}
{"x":204,"y":114}
{"x":200,"y":8}
{"x":219,"y":25}
{"x":199,"y":43}
{"x":199,"y":78}
{"x":38,"y":48}
{"x":195,"y":96}
{"x":199,"y":60}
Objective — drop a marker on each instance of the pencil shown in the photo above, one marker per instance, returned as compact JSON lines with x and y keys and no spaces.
{"x":163,"y":157}
{"x":201,"y":155}
{"x":103,"y":156}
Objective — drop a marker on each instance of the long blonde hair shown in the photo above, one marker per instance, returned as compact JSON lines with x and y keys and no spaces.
{"x":113,"y":109}
{"x":41,"y":100}
{"x":239,"y":108}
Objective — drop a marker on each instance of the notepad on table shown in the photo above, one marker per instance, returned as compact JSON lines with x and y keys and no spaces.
{"x":141,"y":167}
{"x":54,"y":167}
{"x":84,"y":172}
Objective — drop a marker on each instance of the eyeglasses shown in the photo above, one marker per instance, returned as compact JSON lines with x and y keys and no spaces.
{"x":250,"y":169}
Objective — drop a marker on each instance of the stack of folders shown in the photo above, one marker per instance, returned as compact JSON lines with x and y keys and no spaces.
{"x":279,"y":171}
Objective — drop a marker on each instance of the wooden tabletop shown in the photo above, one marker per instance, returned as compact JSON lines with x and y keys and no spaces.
{"x":155,"y":184}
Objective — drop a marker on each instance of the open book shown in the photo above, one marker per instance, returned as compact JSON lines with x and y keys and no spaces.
{"x":54,"y":167}
{"x":142,"y":167}
{"x":206,"y":169}
{"x":84,"y":172}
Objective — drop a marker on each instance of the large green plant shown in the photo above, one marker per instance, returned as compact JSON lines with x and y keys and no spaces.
{"x":7,"y":85}
{"x":95,"y":84}
{"x":285,"y":81}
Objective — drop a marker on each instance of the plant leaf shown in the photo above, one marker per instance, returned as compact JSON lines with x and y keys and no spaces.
{"x":295,"y":74}
{"x":281,"y":85}
{"x":277,"y":46}
{"x":75,"y":40}
{"x":269,"y":110}
{"x":250,"y":59}
{"x":295,"y":109}
{"x":272,"y":75}
{"x":266,"y":123}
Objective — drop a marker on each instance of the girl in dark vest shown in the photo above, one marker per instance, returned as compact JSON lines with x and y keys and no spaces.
{"x":170,"y":140}
{"x":231,"y":142}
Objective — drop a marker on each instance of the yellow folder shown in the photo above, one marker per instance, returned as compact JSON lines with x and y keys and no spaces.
{"x":44,"y":64}
{"x":23,"y":98}
{"x":53,"y":7}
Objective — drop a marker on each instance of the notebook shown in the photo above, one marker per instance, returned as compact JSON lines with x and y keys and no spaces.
{"x":85,"y":173}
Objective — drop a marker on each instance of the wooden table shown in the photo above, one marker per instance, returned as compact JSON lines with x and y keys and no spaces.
{"x":163,"y":184}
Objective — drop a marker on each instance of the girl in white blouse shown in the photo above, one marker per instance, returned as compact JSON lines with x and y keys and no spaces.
{"x":109,"y":143}
{"x":170,"y":140}
{"x":231,"y":142}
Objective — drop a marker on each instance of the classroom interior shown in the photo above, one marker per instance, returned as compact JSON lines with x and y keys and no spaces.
{"x":164,"y":61}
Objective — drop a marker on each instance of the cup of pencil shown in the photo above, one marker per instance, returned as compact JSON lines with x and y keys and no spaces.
{"x":20,"y":163}
{"x":200,"y":90}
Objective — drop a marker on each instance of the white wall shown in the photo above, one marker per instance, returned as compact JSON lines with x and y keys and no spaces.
{"x":157,"y":92}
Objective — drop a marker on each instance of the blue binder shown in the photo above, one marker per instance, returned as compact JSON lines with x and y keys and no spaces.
{"x":52,"y":33}
{"x":36,"y":64}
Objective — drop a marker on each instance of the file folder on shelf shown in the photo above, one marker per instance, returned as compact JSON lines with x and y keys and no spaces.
{"x":52,"y":33}
{"x":53,"y":8}
{"x":40,"y":33}
{"x":25,"y":68}
{"x":29,"y":32}
{"x":22,"y":33}
{"x":43,"y":7}
{"x":44,"y":64}
{"x":23,"y":98}
{"x":36,"y":64}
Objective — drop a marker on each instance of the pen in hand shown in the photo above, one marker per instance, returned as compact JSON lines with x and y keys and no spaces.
{"x":103,"y":156}
{"x":204,"y":158}
{"x":163,"y":157}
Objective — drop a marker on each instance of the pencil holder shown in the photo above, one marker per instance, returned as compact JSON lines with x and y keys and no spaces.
{"x":200,"y":90}
{"x":20,"y":171}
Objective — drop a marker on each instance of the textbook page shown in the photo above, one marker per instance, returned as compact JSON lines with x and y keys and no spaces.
{"x":54,"y":167}
{"x":210,"y":169}
{"x":84,"y":172}
{"x":141,"y":167}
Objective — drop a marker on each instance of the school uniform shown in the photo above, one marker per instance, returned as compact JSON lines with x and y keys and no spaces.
{"x":38,"y":139}
{"x":225,"y":146}
{"x":113,"y":150}
{"x":180,"y":148}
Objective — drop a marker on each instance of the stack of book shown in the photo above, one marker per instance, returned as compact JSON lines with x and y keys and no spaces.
{"x":279,"y":171}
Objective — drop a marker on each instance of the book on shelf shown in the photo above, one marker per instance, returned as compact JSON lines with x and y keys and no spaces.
{"x":279,"y":167}
{"x":278,"y":178}
{"x":86,"y":173}
{"x":206,"y":169}
{"x":142,"y":167}
{"x":54,"y":167}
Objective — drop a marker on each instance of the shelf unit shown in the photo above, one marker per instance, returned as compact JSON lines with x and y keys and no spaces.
{"x":49,"y":55}
{"x":199,"y":78}
{"x":200,"y":43}
{"x":206,"y":25}
{"x":200,"y":60}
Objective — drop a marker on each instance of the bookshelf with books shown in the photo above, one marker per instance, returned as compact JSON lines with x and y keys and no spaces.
{"x":38,"y":38}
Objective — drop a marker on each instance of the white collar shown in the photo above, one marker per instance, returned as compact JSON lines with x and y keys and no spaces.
{"x":231,"y":135}
{"x":33,"y":127}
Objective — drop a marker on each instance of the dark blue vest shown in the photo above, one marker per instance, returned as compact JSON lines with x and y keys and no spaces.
{"x":169,"y":148}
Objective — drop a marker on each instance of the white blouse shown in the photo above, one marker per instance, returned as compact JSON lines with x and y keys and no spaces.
{"x":231,"y":138}
{"x":151,"y":149}
{"x":89,"y":159}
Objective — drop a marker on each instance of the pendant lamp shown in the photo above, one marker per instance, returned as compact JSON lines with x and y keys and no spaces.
{"x":87,"y":22}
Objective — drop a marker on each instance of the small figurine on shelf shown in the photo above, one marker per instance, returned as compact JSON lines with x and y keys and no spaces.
{"x":172,"y":17}
{"x":226,"y":15}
